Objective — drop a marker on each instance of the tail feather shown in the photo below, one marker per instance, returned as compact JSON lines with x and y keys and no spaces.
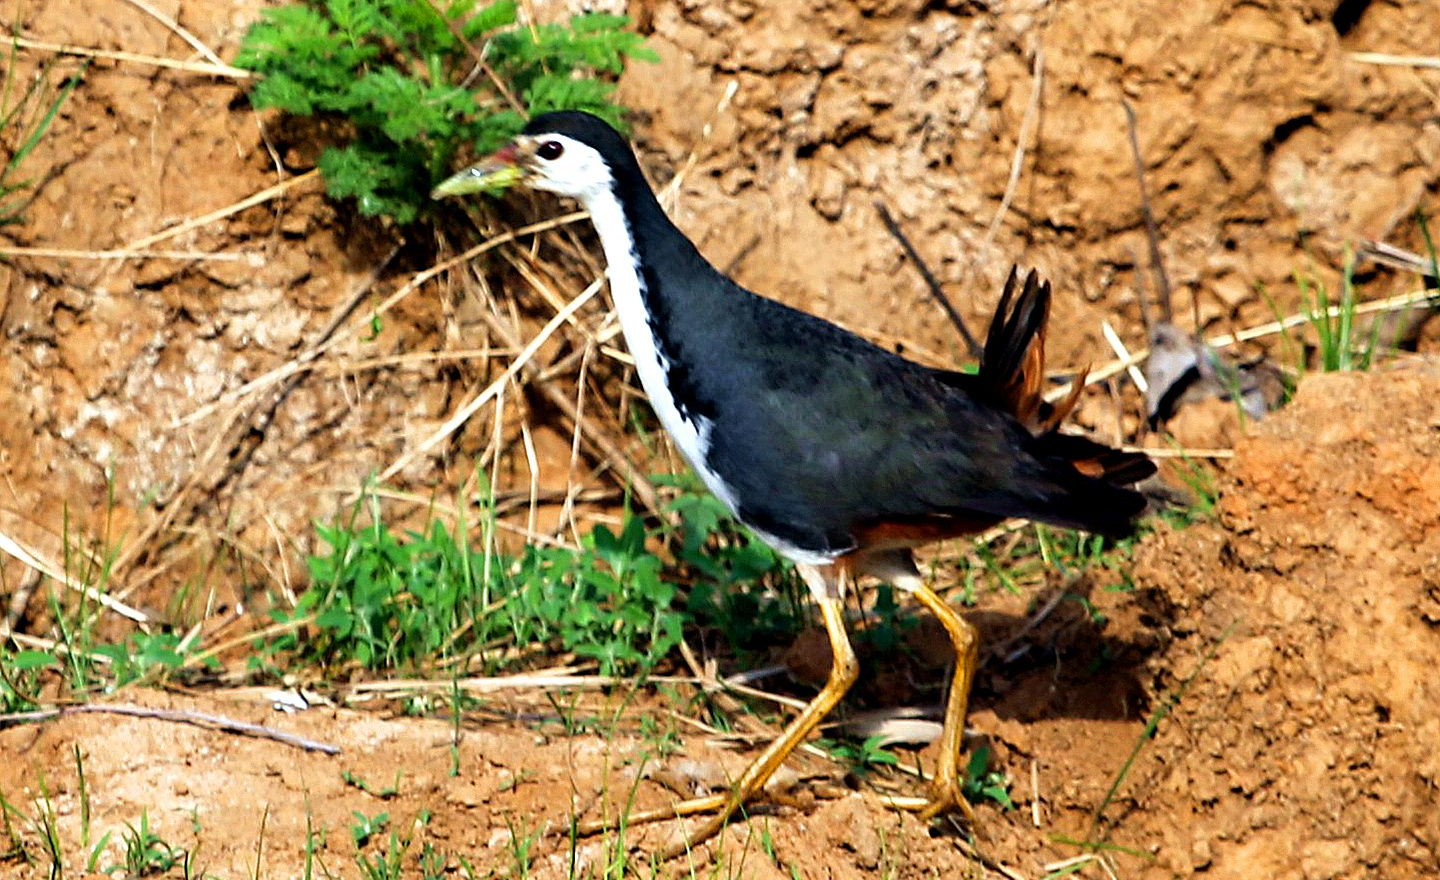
{"x":1096,"y":460}
{"x":1012,"y":367}
{"x":1093,"y":478}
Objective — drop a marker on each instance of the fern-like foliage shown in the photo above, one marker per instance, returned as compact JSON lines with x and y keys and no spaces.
{"x":407,"y":79}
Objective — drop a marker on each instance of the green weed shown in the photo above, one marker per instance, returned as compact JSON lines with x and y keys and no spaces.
{"x":410,"y":88}
{"x":738,"y":584}
{"x":1338,"y":347}
{"x":982,"y":783}
{"x":146,"y":853}
{"x":860,"y":756}
{"x":386,"y":601}
{"x":26,"y":113}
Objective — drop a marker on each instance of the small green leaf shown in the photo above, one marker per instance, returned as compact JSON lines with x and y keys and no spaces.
{"x":26,"y":660}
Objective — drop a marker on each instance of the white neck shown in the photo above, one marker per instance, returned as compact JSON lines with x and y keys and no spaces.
{"x":691,"y":435}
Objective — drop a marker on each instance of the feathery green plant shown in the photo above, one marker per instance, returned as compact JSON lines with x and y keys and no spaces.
{"x":412,"y":82}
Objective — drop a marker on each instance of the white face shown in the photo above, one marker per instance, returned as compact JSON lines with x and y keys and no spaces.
{"x":559,"y":164}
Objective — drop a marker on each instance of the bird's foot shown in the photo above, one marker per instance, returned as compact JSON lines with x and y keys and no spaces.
{"x":947,"y":796}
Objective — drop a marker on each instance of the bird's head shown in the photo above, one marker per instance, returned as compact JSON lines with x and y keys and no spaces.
{"x":568,"y":152}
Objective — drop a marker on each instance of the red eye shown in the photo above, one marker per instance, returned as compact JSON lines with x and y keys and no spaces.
{"x":550,"y":150}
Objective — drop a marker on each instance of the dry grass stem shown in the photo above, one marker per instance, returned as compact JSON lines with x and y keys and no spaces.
{"x":133,"y":57}
{"x":179,"y":31}
{"x":251,"y":201}
{"x":281,"y":373}
{"x":1121,"y":352}
{"x":1017,"y":162}
{"x":67,"y":254}
{"x":463,"y":414}
{"x":30,"y":559}
{"x":1198,"y":452}
{"x":1428,"y":61}
{"x":671,"y":191}
{"x":1223,"y":340}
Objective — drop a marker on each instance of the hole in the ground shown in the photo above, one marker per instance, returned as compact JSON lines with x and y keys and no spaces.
{"x":1285,"y":130}
{"x":1347,"y":15}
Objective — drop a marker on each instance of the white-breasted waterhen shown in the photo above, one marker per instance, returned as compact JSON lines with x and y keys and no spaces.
{"x":840,"y":454}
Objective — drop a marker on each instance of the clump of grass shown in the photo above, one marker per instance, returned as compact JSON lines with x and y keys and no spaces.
{"x":146,"y":852}
{"x":739,"y":585}
{"x":411,"y":82}
{"x":1340,"y":346}
{"x":379,"y":600}
{"x":27,"y":110}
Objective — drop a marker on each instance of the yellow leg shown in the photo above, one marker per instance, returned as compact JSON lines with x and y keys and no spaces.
{"x":945,"y":789}
{"x":843,"y":670}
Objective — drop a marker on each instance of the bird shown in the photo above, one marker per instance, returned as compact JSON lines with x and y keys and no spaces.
{"x":840,"y":454}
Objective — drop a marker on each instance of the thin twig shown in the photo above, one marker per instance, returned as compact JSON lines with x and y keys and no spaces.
{"x":68,"y":254}
{"x":251,"y":201}
{"x":463,"y":414}
{"x":133,"y":57}
{"x":24,"y":556}
{"x":279,"y":374}
{"x":931,"y":283}
{"x":241,"y":437}
{"x":178,"y":716}
{"x":1017,"y":162}
{"x":1224,"y":340}
{"x":1123,"y":353}
{"x":1152,"y":235}
{"x":1383,"y":58}
{"x":178,"y":30}
{"x":480,"y":62}
{"x":671,"y":190}
{"x":597,"y":442}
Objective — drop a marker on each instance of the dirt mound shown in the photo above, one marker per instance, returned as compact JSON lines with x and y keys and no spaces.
{"x":1306,"y":746}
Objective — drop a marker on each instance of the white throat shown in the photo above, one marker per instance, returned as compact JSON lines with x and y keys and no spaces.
{"x":691,"y":434}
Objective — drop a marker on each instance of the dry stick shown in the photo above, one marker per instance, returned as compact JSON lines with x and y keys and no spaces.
{"x":20,"y":599}
{"x":1224,"y":340}
{"x":1152,"y":235}
{"x":480,"y":61}
{"x":43,"y":644}
{"x":463,"y":414}
{"x":133,"y":57}
{"x":24,"y":556}
{"x":263,"y":195}
{"x":1032,"y":112}
{"x":597,"y":443}
{"x":1123,"y":353}
{"x":178,"y":30}
{"x":671,"y":190}
{"x":179,"y":716}
{"x":279,"y":374}
{"x":66,"y":254}
{"x":1383,"y":58}
{"x":931,"y":283}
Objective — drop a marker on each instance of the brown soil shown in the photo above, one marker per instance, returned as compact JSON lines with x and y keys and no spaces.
{"x":1300,"y":747}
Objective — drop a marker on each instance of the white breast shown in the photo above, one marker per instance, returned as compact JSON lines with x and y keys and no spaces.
{"x":691,"y":435}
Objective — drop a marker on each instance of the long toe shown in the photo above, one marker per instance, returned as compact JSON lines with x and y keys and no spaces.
{"x":946,"y":796}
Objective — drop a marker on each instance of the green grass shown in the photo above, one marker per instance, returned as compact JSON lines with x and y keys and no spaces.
{"x":380,"y":600}
{"x":27,"y":110}
{"x":1340,"y":346}
{"x":409,"y":84}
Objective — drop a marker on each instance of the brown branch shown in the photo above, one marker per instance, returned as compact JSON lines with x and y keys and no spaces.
{"x":930,"y":281}
{"x":1162,"y":280}
{"x":178,"y":716}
